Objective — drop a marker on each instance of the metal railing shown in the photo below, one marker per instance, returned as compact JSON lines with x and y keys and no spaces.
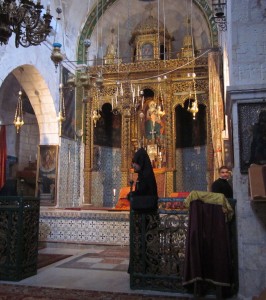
{"x":157,"y":248}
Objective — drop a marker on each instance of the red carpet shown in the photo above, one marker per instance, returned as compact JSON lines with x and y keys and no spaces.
{"x":17,"y":292}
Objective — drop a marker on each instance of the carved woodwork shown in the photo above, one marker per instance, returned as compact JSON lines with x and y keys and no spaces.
{"x":144,"y":73}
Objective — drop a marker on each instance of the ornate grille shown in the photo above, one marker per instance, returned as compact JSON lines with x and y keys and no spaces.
{"x":157,"y":250}
{"x":19,"y":228}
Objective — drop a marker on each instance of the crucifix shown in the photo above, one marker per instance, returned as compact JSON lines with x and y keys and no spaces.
{"x":153,"y":133}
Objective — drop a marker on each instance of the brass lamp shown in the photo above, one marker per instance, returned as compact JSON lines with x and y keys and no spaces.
{"x":18,"y":120}
{"x":194,"y":105}
{"x":56,"y":55}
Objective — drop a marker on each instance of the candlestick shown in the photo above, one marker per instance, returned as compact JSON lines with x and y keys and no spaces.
{"x":113,"y":202}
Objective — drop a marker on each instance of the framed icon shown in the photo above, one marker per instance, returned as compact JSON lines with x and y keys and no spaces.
{"x":147,"y":51}
{"x":47,"y":174}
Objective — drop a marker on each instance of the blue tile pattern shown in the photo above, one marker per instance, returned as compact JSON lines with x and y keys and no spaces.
{"x":92,"y":227}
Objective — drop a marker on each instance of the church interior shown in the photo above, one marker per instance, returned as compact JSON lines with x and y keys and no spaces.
{"x":90,"y":84}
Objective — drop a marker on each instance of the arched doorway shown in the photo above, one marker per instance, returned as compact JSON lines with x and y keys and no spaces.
{"x":106,"y":175}
{"x":22,"y":145}
{"x":190,"y":148}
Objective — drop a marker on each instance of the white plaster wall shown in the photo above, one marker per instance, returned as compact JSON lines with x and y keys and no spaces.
{"x":29,"y":139}
{"x":73,"y":17}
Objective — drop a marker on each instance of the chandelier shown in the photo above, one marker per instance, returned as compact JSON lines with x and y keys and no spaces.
{"x":23,"y":18}
{"x":127,"y":98}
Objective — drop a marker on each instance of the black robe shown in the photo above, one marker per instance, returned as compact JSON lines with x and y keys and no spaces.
{"x":222,"y":186}
{"x":146,"y":183}
{"x":145,"y":186}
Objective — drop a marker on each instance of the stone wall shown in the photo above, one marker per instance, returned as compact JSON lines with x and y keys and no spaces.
{"x":246,"y":44}
{"x":251,"y":215}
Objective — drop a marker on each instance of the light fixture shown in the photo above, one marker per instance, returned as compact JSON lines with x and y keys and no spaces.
{"x":193,"y":103}
{"x":219,"y":10}
{"x":193,"y":106}
{"x":127,"y":98}
{"x":23,"y":18}
{"x":18,"y":120}
{"x":56,"y":55}
{"x":62,"y":113}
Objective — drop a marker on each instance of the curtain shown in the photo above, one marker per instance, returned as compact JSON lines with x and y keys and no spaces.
{"x":216,"y":108}
{"x":3,"y":155}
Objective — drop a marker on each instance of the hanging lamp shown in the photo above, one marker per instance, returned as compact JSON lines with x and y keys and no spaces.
{"x":18,"y":120}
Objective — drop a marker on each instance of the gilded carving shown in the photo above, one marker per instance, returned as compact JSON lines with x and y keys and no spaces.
{"x":170,"y":89}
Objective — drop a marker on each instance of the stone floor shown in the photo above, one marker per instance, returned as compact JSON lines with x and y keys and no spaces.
{"x":98,"y":268}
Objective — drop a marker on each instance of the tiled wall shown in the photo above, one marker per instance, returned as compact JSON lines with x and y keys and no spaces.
{"x":70,"y":184}
{"x":84,"y":227}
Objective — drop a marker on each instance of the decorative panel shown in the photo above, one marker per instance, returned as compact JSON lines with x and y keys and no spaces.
{"x":252,"y":134}
{"x":107,"y":175}
{"x":84,"y":227}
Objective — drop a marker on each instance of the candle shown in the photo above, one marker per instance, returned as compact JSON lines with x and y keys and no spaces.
{"x":114,"y":192}
{"x":133,"y":96}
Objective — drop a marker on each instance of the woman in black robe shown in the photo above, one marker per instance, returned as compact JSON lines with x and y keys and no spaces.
{"x":145,"y":219}
{"x":146,"y":183}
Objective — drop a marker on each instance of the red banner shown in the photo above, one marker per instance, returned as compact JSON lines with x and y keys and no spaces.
{"x":3,"y":155}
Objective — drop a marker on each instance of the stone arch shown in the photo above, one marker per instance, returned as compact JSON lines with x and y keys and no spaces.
{"x":42,"y":102}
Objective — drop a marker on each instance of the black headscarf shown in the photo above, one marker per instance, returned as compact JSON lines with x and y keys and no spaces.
{"x":146,"y":178}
